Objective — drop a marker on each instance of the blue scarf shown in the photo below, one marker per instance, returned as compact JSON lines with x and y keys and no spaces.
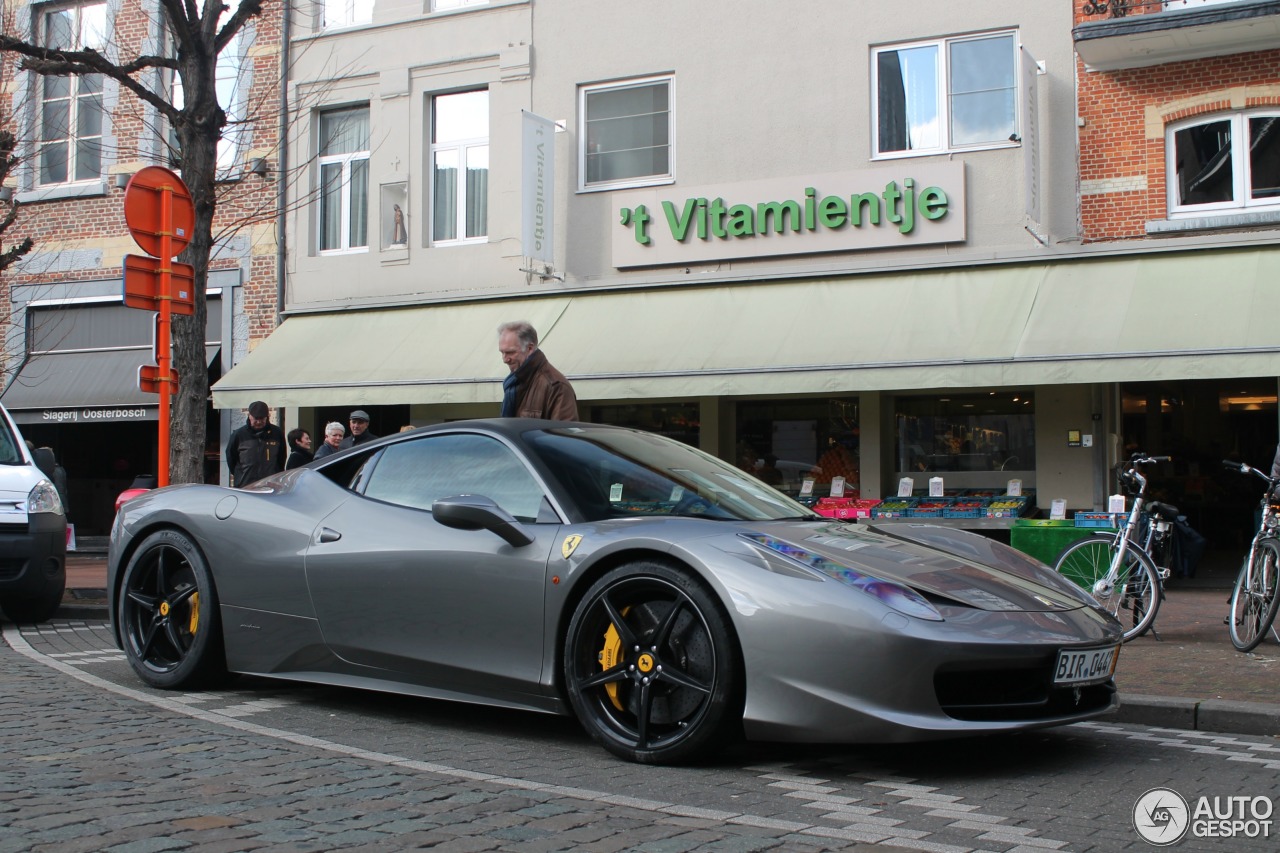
{"x":509,"y":394}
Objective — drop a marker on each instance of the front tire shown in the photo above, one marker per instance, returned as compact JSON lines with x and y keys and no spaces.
{"x":651,"y":665}
{"x":1133,"y":596}
{"x":168,"y":615}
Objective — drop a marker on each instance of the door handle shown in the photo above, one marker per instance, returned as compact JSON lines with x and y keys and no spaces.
{"x":328,"y":534}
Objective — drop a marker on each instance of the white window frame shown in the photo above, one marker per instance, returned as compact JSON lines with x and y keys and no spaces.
{"x":943,"y":84}
{"x":644,"y":180}
{"x":450,"y":5}
{"x":352,"y":13}
{"x":463,"y":147}
{"x":1240,"y":167}
{"x":346,"y":161}
{"x":72,"y":137}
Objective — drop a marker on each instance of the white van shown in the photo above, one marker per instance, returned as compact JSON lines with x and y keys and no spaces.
{"x":33,"y":529}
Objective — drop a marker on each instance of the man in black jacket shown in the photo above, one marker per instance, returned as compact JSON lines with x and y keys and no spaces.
{"x":359,"y":422}
{"x":257,"y":449}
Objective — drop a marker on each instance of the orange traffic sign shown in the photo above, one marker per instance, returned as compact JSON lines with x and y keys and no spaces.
{"x":144,"y":210}
{"x":149,"y":380}
{"x":142,"y":284}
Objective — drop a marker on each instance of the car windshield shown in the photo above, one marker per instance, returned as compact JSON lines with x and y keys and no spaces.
{"x":9,"y":452}
{"x":619,"y":473}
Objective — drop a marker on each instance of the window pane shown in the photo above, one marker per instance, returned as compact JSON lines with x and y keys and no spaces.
{"x":88,"y":159}
{"x":444,"y":208}
{"x":89,"y":116}
{"x":418,"y":473}
{"x":59,"y":29}
{"x":53,"y":163}
{"x":982,"y":77}
{"x":330,"y":206}
{"x":1264,"y":157}
{"x":344,"y":131}
{"x":628,"y":133}
{"x":359,"y":203}
{"x":966,"y":432}
{"x":57,"y":120}
{"x":1202,"y":159}
{"x":93,"y":26}
{"x":462,"y":116}
{"x":57,"y":87}
{"x":478,"y":191}
{"x":907,"y":99}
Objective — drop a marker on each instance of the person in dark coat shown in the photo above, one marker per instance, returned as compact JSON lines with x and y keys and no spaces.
{"x":359,"y":423}
{"x":299,"y":448}
{"x":533,"y":388}
{"x":257,"y":449}
{"x":334,"y":432}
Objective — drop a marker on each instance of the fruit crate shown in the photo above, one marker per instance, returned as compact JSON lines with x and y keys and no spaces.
{"x":967,"y":507}
{"x":893,"y":508}
{"x":1006,"y":506}
{"x":1100,"y":519}
{"x":845,"y":507}
{"x":929,"y":507}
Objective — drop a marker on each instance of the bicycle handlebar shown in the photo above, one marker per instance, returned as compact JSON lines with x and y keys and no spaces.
{"x":1143,"y":459}
{"x":1245,"y":468}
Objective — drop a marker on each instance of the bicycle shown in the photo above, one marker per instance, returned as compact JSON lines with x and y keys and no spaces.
{"x":1117,"y":568}
{"x":1253,"y":597}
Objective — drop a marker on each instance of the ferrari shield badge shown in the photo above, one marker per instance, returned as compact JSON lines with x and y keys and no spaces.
{"x":570,"y":545}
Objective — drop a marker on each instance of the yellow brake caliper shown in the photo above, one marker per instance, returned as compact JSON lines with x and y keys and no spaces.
{"x":195,"y":611}
{"x":609,"y":656}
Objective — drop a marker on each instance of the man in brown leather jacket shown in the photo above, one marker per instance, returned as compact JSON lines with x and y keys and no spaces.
{"x":533,"y":388}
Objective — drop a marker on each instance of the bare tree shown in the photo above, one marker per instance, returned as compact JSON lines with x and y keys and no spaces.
{"x":198,"y":34}
{"x":9,"y":207}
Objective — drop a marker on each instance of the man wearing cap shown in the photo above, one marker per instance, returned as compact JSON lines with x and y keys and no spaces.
{"x":359,"y":422}
{"x":257,"y":449}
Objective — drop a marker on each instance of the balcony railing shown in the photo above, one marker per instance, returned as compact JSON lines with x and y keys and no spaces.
{"x":1116,"y":34}
{"x":1124,"y":8}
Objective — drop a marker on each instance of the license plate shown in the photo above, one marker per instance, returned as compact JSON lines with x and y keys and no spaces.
{"x":1085,"y":666}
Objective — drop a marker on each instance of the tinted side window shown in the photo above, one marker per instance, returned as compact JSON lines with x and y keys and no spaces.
{"x":420,"y":472}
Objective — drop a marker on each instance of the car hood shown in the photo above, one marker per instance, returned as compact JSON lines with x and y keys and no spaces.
{"x":964,"y":568}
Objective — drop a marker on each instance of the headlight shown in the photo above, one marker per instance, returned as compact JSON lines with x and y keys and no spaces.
{"x":901,"y":598}
{"x":44,"y":498}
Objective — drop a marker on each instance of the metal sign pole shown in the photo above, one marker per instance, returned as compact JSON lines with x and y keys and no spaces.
{"x":163,"y":342}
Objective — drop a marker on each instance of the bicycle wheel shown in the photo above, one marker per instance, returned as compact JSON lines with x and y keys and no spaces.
{"x":1132,"y":596}
{"x":1253,"y":599}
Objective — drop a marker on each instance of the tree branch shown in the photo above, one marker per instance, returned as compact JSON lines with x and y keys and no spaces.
{"x":67,"y":63}
{"x":246,"y":10}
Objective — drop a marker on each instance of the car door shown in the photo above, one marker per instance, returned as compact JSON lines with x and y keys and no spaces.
{"x":455,"y":609}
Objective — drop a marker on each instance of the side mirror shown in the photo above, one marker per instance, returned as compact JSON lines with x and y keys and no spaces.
{"x":476,"y":512}
{"x":45,"y":460}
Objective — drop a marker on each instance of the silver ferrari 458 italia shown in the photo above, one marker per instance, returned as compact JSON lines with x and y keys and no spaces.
{"x":663,"y":597}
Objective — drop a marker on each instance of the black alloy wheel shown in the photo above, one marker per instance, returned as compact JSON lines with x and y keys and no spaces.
{"x":167,"y":611}
{"x":651,"y":666}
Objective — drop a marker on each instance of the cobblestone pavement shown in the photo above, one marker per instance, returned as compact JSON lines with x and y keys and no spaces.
{"x":94,"y":761}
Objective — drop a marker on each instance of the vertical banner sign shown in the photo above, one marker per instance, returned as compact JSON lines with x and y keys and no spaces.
{"x":1031,"y":136}
{"x":538,"y":153}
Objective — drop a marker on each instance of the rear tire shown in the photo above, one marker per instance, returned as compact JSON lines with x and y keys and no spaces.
{"x":1254,"y":598}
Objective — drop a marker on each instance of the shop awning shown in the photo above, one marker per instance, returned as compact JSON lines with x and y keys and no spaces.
{"x":1196,"y":315}
{"x":84,"y":386}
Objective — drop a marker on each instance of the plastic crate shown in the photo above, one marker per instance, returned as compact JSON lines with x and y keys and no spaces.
{"x":893,"y":508}
{"x":845,"y":507}
{"x":967,"y":507}
{"x":1099,"y":519}
{"x":1006,"y":506}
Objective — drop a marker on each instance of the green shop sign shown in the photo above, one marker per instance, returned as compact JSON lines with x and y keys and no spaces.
{"x":869,"y":209}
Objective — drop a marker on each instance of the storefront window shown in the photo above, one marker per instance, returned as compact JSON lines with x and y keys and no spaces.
{"x":786,"y":442}
{"x":989,"y":431}
{"x":674,"y":420}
